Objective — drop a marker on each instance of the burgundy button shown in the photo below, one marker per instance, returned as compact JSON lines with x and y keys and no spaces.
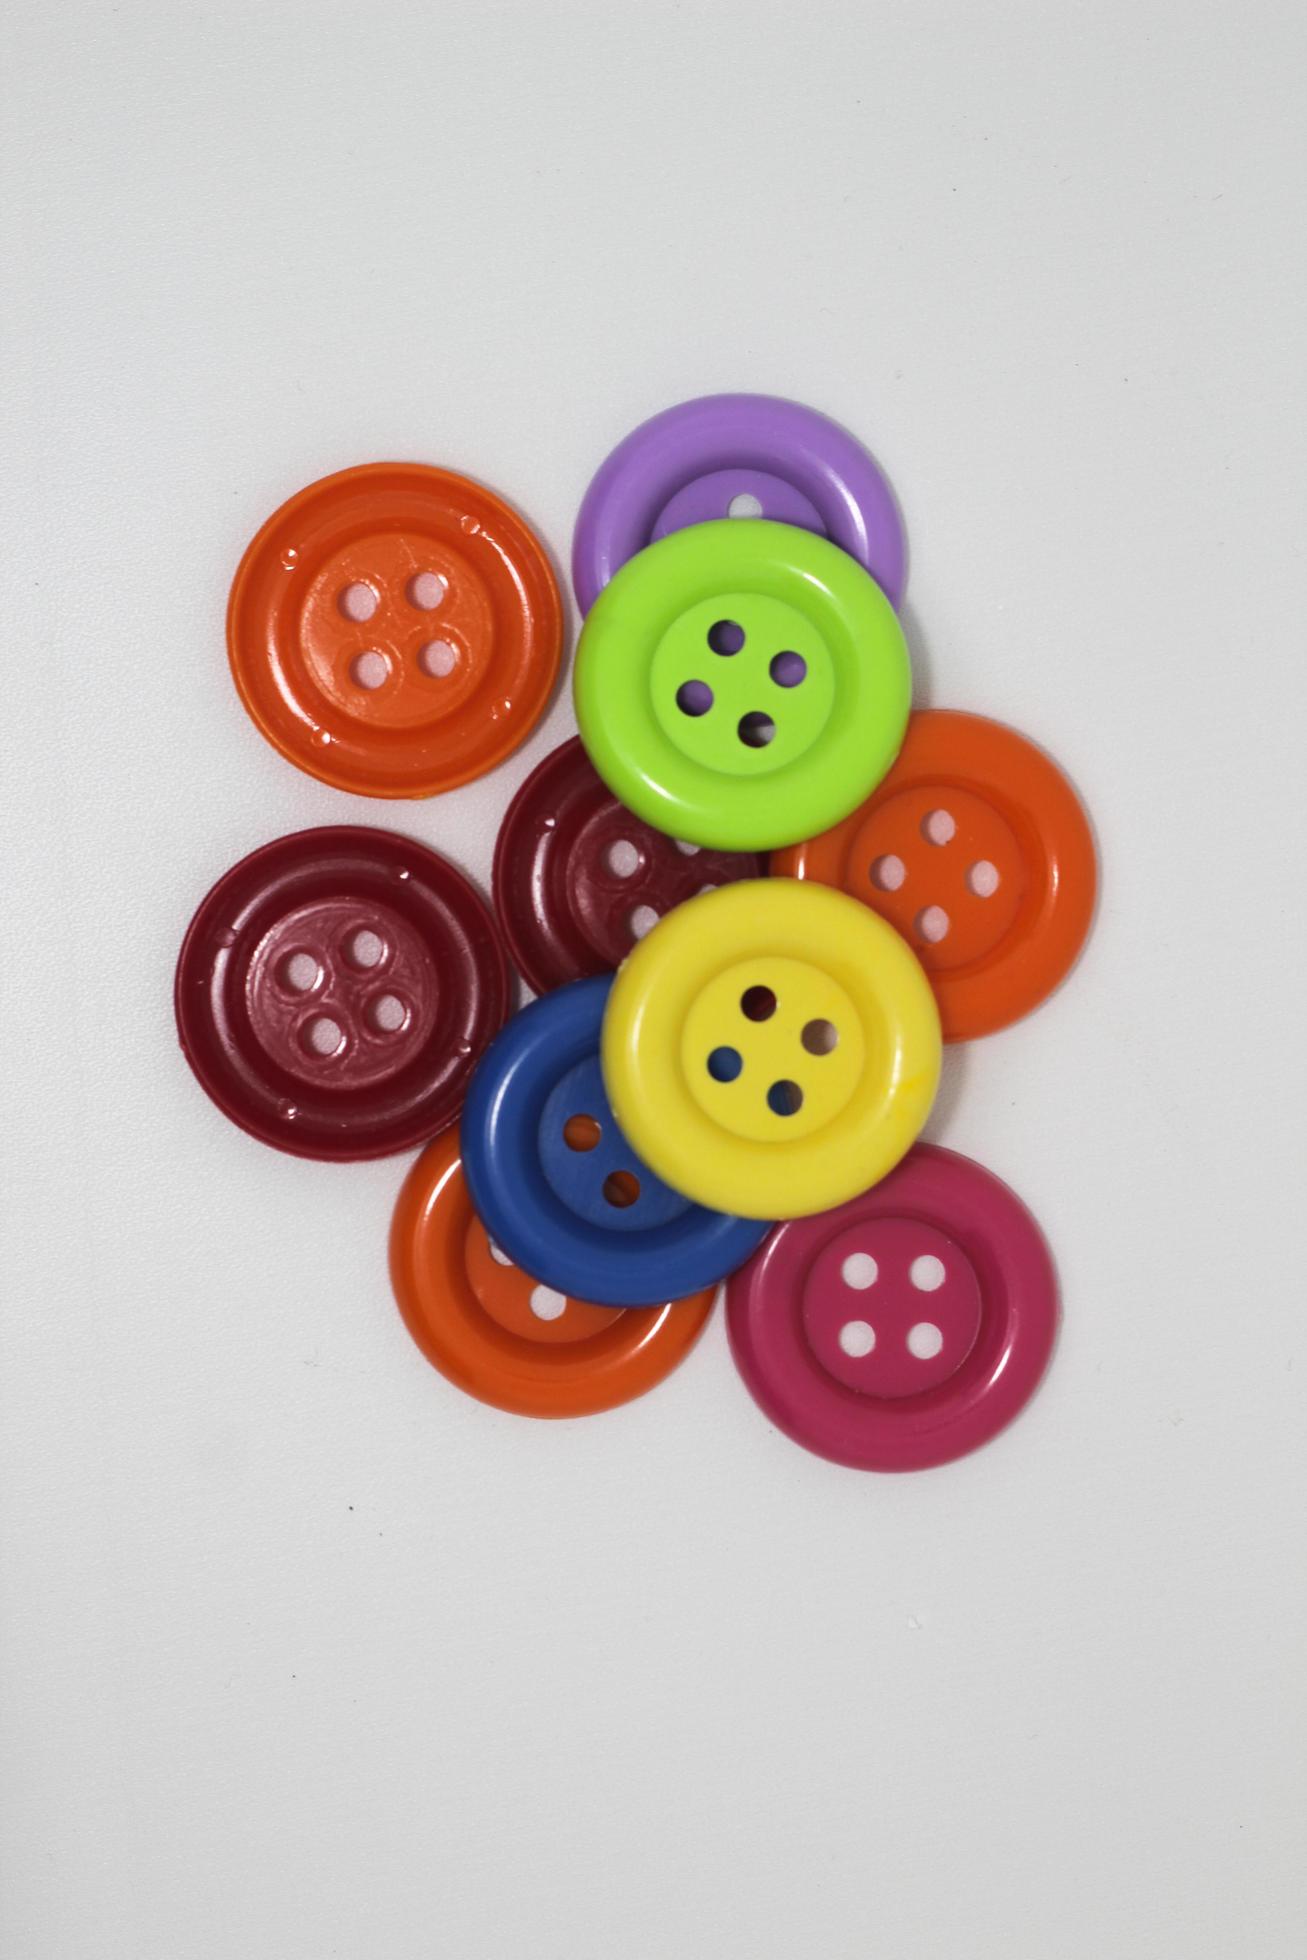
{"x":578,"y":879}
{"x":335,"y":991}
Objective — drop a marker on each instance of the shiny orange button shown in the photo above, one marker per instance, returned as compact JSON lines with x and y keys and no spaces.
{"x":496,"y":1334}
{"x":395,"y":630}
{"x":977,"y":850}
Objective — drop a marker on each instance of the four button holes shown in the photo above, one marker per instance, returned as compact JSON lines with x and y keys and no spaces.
{"x":818,"y":1037}
{"x":372,"y":668}
{"x":924,"y":1339}
{"x":321,"y":1035}
{"x":726,"y":638}
{"x":889,"y":874}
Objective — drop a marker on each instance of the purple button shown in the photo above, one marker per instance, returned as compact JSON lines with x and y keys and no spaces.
{"x":906,"y":1327}
{"x":737,"y":456}
{"x":737,"y":493}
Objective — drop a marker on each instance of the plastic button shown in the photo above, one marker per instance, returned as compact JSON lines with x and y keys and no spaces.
{"x":742,"y":685}
{"x":771,"y":1048}
{"x":499,"y":1334}
{"x":907,"y":1327}
{"x":731,"y":456}
{"x":977,"y":849}
{"x":578,"y":878}
{"x":335,"y":989}
{"x":395,"y":630}
{"x":556,"y":1182}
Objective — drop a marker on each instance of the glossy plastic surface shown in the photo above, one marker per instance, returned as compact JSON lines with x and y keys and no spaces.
{"x":335,"y":989}
{"x":578,"y":878}
{"x":395,"y":630}
{"x":498,"y":1334}
{"x":774,"y":458}
{"x":977,"y":849}
{"x":771,"y":1048}
{"x":557,"y":1183}
{"x":904,"y":1329}
{"x":742,"y":685}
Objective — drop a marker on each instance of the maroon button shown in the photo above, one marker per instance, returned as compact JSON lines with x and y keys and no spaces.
{"x":578,"y":879}
{"x":335,"y":991}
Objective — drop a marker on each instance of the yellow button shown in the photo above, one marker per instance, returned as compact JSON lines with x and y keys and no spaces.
{"x":771,"y":1048}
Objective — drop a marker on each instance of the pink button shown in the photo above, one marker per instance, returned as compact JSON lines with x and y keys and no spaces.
{"x":905,"y":1328}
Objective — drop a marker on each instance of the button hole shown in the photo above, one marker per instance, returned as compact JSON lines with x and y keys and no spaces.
{"x":785,"y":1098}
{"x":724,"y":1064}
{"x":726,"y":636}
{"x":369,"y":670}
{"x":788,"y":669}
{"x":426,"y":590}
{"x":623,"y":858}
{"x":581,"y":1132}
{"x":357,"y":601}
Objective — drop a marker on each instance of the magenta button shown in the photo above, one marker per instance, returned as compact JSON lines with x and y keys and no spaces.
{"x":905,"y":1328}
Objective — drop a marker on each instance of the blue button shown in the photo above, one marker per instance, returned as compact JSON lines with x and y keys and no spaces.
{"x":556,"y":1184}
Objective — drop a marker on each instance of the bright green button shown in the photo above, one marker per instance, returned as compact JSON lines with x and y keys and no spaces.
{"x":742,"y":684}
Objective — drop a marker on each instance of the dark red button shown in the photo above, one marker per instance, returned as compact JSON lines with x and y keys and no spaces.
{"x":578,"y":879}
{"x":335,"y":991}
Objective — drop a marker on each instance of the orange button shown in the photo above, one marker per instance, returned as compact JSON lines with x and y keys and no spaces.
{"x":494,"y":1332}
{"x":977,"y":849}
{"x":395,"y":630}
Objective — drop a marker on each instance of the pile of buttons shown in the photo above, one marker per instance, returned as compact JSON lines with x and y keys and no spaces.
{"x":752,"y":898}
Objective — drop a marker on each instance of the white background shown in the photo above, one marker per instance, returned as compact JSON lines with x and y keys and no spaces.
{"x":303,"y":1653}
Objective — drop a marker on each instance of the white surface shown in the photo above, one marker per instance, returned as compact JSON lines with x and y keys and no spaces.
{"x":304,"y":1654}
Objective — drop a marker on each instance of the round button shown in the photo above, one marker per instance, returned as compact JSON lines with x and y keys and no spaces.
{"x":578,"y":879}
{"x":907,"y":1327}
{"x":504,"y":1337}
{"x":335,"y":990}
{"x":771,"y":1048}
{"x":977,"y":849}
{"x":737,"y":456}
{"x":742,"y":685}
{"x":557,"y":1184}
{"x":395,"y":630}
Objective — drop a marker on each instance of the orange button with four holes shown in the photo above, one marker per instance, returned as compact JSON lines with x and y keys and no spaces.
{"x":976,"y":848}
{"x":488,"y":1327}
{"x":395,"y":630}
